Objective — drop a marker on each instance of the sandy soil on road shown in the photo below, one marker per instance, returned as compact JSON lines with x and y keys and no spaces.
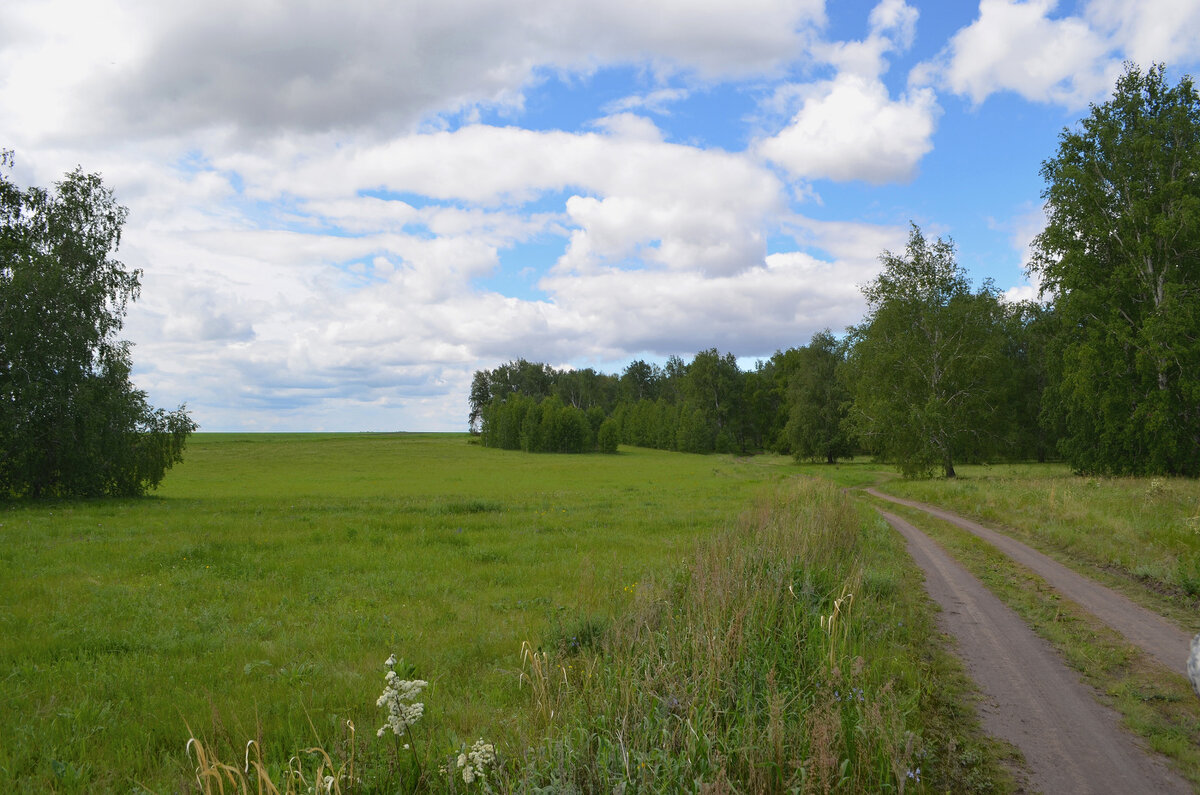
{"x":1071,"y":742}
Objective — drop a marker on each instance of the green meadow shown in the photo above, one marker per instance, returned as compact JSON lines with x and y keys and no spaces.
{"x":648,"y":621}
{"x":258,"y":592}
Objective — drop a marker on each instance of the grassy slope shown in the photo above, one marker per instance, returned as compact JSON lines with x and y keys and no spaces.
{"x":266,"y":581}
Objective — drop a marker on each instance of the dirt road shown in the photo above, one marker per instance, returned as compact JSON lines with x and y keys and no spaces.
{"x":1149,"y":631}
{"x":1071,"y":743}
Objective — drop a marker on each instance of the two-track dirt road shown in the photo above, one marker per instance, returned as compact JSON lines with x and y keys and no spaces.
{"x":1149,"y":631}
{"x":1070,"y":741}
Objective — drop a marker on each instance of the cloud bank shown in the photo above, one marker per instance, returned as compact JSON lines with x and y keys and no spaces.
{"x":342,"y":211}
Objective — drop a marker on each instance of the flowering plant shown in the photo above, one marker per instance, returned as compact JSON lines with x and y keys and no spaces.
{"x":475,"y":763}
{"x":399,"y":698}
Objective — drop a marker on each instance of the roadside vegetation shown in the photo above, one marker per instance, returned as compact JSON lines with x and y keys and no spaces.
{"x":257,"y":596}
{"x":795,"y":653}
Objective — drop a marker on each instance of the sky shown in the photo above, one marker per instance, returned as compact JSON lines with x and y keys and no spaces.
{"x":342,"y":210}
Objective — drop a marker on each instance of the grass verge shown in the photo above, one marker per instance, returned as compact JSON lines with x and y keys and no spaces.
{"x":795,"y":653}
{"x":1155,"y":704}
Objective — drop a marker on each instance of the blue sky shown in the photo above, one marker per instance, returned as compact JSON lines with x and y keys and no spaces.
{"x":342,"y":210}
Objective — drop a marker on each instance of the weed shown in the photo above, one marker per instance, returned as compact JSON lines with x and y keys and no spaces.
{"x":322,"y":777}
{"x":744,"y":672}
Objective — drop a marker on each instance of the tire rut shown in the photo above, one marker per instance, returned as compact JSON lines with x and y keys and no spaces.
{"x":1071,"y":742}
{"x":1143,"y":628}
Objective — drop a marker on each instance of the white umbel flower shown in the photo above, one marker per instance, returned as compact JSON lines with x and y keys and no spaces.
{"x":475,"y":763}
{"x":399,"y":699}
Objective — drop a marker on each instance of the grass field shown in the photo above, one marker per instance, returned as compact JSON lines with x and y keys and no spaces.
{"x":264,"y":584}
{"x":257,"y":594}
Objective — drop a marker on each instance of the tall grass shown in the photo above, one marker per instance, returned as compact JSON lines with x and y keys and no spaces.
{"x":792,"y":654}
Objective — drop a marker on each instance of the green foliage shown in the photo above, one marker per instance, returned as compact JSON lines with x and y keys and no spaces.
{"x":1021,"y":376}
{"x":694,"y":434}
{"x":765,"y":413}
{"x":1121,"y":256}
{"x":713,"y":386}
{"x":608,"y":436}
{"x":640,"y":381}
{"x":920,"y":361}
{"x":71,"y":422}
{"x":703,"y":406}
{"x":819,"y":402}
{"x":521,"y":423}
{"x":585,"y":389}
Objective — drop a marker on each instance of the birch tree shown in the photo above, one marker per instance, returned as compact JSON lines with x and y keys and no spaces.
{"x":919,"y":361}
{"x":1120,"y":255}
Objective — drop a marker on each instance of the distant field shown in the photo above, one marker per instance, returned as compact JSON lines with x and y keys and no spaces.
{"x":266,"y":581}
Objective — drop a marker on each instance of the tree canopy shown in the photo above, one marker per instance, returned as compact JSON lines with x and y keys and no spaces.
{"x":920,"y":360}
{"x":819,"y":402}
{"x":71,"y":423}
{"x":1120,"y":255}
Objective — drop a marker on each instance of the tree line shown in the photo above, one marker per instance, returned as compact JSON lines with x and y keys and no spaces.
{"x":1104,"y":372}
{"x":961,"y":391}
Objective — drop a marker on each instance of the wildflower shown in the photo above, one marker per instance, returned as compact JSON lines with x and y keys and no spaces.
{"x":399,"y":698}
{"x":475,"y":762}
{"x":915,"y":775}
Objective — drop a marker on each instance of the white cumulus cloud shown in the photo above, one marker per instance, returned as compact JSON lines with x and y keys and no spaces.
{"x":1017,"y":46}
{"x":1031,"y":49}
{"x":849,"y":127}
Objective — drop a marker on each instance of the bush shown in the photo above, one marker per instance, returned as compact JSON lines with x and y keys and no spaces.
{"x":607,"y":436}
